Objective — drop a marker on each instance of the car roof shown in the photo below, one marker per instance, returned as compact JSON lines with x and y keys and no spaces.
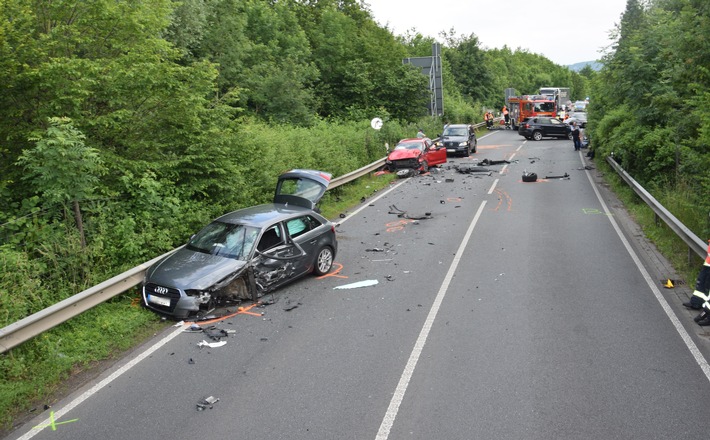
{"x":413,"y":140}
{"x":267,"y":214}
{"x":458,"y":125}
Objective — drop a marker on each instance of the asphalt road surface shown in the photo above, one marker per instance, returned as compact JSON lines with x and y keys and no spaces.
{"x":516,"y":311}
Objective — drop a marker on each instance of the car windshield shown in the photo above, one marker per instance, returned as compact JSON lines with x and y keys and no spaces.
{"x":458,"y":131}
{"x":409,"y":146}
{"x":225,"y":239}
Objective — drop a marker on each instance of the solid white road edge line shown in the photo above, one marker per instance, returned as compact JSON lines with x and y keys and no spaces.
{"x":702,"y":362}
{"x":96,"y":388}
{"x":398,"y":396}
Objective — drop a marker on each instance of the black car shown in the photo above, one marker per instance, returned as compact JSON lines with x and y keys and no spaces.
{"x":538,"y":127}
{"x":458,"y":139}
{"x":246,"y":253}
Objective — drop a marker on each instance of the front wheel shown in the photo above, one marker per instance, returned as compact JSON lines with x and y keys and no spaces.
{"x":324,"y":261}
{"x":537,"y":135}
{"x":425,"y":166}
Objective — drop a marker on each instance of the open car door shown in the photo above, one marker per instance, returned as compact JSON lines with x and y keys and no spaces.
{"x":302,"y":187}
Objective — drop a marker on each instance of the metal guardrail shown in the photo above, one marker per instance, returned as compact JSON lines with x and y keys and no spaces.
{"x":349,"y":177}
{"x":35,"y":324}
{"x":695,"y":244}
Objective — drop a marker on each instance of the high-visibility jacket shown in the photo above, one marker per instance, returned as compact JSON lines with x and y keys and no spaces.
{"x":505,"y":110}
{"x":701,"y":291}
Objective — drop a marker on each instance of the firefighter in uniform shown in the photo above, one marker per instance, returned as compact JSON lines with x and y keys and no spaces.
{"x":701,"y":295}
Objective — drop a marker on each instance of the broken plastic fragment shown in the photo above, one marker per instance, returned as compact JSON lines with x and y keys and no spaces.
{"x":365,"y":283}
{"x":207,"y":402}
{"x":204,"y":343}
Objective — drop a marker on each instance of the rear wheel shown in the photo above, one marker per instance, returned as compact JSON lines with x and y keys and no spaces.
{"x":537,"y":135}
{"x":324,"y":261}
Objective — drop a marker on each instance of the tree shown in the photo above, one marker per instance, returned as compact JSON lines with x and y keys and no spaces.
{"x":62,"y":168}
{"x":467,"y":65}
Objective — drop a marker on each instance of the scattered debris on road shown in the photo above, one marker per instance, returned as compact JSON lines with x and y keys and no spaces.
{"x":472,"y":169}
{"x":565,"y":176}
{"x":207,"y":402}
{"x":365,"y":283}
{"x":405,"y":214}
{"x":486,"y":162}
{"x":204,"y":343}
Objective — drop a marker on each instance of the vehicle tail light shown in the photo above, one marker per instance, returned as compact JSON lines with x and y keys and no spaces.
{"x":332,"y":228}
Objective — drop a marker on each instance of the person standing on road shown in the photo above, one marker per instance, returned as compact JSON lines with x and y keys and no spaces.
{"x":506,"y":116}
{"x":576,"y":136}
{"x":701,"y":297}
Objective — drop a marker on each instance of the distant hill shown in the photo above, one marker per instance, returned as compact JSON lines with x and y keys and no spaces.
{"x":595,"y":65}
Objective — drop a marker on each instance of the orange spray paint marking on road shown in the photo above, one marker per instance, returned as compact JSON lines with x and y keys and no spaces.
{"x":240,"y":311}
{"x":502,"y":195}
{"x":335,"y":273}
{"x":398,"y":225}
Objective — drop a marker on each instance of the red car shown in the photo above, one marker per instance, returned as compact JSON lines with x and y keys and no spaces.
{"x":416,"y":153}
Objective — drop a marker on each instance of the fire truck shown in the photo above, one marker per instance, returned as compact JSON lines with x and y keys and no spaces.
{"x":525,"y":106}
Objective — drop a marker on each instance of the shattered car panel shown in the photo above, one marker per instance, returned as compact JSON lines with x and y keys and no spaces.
{"x":241,"y":256}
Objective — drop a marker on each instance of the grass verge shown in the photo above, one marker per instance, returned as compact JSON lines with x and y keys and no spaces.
{"x":666,"y":241}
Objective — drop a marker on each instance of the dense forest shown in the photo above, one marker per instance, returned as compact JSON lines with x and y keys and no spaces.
{"x":126,"y":125}
{"x":648,"y":105}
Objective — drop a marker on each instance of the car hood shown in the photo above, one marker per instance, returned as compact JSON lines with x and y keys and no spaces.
{"x":186,"y":269}
{"x":403,"y":154}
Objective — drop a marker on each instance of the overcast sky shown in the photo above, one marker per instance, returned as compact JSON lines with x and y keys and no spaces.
{"x":566,"y":32}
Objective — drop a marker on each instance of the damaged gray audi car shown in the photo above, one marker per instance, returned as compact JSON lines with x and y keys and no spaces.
{"x":247,"y":253}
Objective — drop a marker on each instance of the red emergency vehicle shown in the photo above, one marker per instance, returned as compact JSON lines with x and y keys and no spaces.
{"x":526,"y":106}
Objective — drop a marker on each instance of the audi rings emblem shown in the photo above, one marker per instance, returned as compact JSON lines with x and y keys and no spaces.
{"x":161,"y":290}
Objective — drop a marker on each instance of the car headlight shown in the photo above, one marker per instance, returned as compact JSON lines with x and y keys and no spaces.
{"x":388,"y":161}
{"x":439,"y":144}
{"x":463,"y":144}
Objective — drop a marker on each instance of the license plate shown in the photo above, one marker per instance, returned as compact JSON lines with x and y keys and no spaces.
{"x":165,"y":302}
{"x":450,"y":150}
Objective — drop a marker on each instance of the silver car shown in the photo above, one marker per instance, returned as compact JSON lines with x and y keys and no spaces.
{"x":247,"y":253}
